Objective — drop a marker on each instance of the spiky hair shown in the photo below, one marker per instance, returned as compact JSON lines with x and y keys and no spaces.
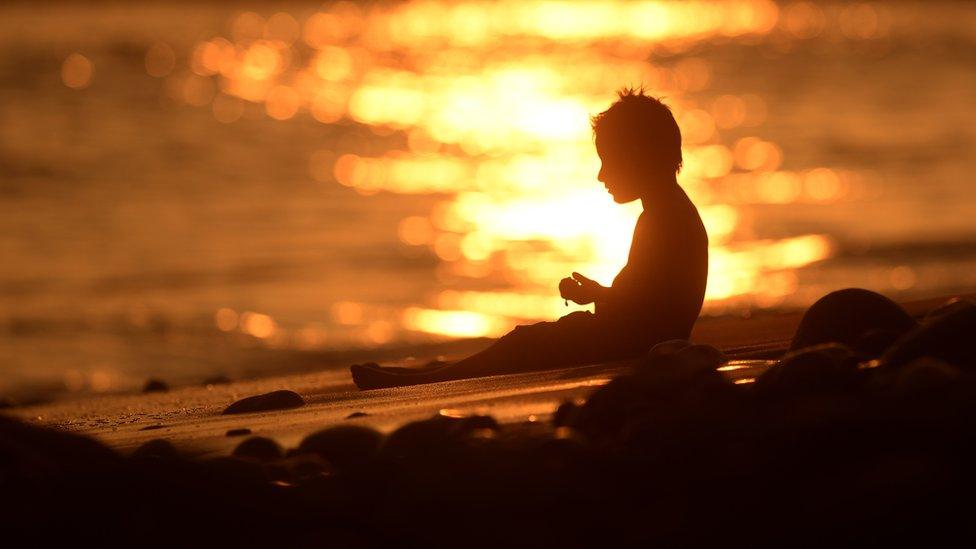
{"x":643,"y":121}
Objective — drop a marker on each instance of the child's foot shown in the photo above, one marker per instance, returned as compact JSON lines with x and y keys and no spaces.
{"x":373,"y":376}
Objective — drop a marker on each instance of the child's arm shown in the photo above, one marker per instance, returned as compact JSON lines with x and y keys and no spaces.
{"x":582,"y":290}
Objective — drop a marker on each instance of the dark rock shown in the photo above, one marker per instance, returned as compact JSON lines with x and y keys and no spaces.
{"x":477,"y":422}
{"x":873,"y":343}
{"x":845,"y":316}
{"x":926,"y":376}
{"x":275,"y":400}
{"x":152,"y":427}
{"x":818,"y":369}
{"x":665,"y":348}
{"x":565,"y":414}
{"x":157,"y":448}
{"x":344,"y":446}
{"x":258,"y":448}
{"x":413,"y":439}
{"x":949,"y":336}
{"x":301,"y":467}
{"x":951,"y":306}
{"x":237,"y":470}
{"x":664,"y":389}
{"x":238,"y":432}
{"x":38,"y":452}
{"x":356,"y":414}
{"x":702,"y":356}
{"x":155,"y":386}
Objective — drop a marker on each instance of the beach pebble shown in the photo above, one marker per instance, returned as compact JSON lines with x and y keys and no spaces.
{"x":234,"y":470}
{"x":275,"y":400}
{"x":415,"y":438}
{"x":846,"y":315}
{"x":238,"y":432}
{"x":926,"y":376}
{"x":665,"y":348}
{"x":476,"y":423}
{"x":873,"y":343}
{"x":951,"y":306}
{"x":258,"y":448}
{"x":702,"y":356}
{"x":156,"y":448}
{"x":950,"y":336}
{"x":356,"y":414}
{"x":816,"y":369}
{"x":344,"y":446}
{"x":301,"y":467}
{"x":155,"y":386}
{"x":565,"y":414}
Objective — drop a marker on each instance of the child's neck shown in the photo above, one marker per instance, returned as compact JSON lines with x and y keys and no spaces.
{"x":662,"y":192}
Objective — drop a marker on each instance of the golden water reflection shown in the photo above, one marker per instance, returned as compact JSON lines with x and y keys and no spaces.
{"x":493,"y":100}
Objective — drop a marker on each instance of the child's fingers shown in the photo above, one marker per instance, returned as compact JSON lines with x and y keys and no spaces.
{"x":581,"y":278}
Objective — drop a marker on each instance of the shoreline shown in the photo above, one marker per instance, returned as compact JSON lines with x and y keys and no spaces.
{"x":190,"y":417}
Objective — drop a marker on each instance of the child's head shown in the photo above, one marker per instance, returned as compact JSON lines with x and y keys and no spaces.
{"x":639,"y":144}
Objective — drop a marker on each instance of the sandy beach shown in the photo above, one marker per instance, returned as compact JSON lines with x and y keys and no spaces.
{"x":851,"y":442}
{"x":190,"y":417}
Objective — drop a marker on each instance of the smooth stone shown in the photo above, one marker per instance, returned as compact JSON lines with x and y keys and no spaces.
{"x":950,"y":336}
{"x":156,"y":448}
{"x":704,"y":356}
{"x":874,"y":343}
{"x":259,"y":448}
{"x":275,"y":400}
{"x":951,"y":306}
{"x":302,"y":467}
{"x":155,"y":386}
{"x":846,"y":315}
{"x":565,"y":414}
{"x":474,"y":423}
{"x":926,"y":376}
{"x":356,"y":414}
{"x":665,"y":348}
{"x":344,"y":446}
{"x":821,"y":368}
{"x":238,"y":432}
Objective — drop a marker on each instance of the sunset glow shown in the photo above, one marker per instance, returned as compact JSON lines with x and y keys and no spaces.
{"x":501,"y":131}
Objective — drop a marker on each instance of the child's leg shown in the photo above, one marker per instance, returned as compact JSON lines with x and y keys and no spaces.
{"x":573,"y":339}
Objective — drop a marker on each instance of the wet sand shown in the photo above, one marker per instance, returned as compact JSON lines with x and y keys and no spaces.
{"x":190,"y":417}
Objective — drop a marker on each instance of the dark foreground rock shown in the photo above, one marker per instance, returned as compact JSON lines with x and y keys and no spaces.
{"x":275,"y":400}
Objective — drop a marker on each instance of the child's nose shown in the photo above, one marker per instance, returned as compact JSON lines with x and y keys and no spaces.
{"x":599,"y":175}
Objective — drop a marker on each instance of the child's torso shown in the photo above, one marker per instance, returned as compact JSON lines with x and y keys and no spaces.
{"x":666,"y":270}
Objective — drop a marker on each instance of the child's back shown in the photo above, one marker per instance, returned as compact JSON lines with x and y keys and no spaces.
{"x":659,"y":292}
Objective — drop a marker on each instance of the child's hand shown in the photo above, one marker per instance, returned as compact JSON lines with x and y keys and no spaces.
{"x":580,"y":289}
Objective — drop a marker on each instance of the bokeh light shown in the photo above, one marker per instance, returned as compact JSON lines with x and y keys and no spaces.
{"x":77,"y":71}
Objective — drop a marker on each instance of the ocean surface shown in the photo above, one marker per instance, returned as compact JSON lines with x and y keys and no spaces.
{"x":195,"y":190}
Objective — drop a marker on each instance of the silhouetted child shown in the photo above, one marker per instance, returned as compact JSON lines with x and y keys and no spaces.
{"x":658,"y":294}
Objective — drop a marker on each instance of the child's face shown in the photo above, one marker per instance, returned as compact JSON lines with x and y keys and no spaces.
{"x":618,"y":171}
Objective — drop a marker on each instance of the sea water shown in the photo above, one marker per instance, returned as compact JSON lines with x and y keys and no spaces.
{"x":206,"y":189}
